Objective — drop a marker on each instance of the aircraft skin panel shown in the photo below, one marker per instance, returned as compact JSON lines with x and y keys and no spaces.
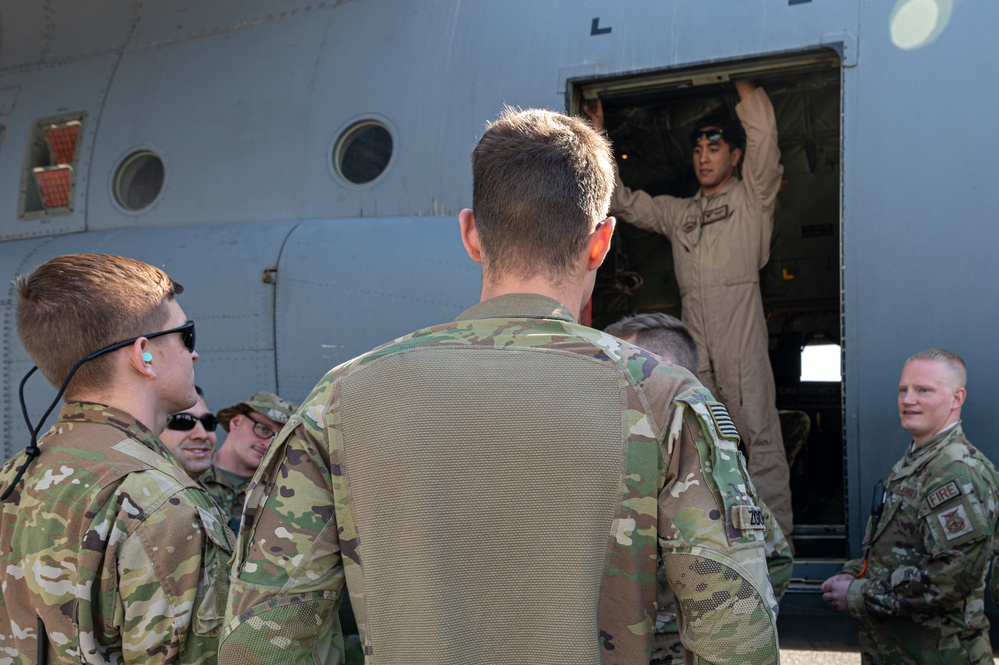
{"x":50,"y":32}
{"x":77,"y":87}
{"x":346,"y":286}
{"x":184,"y":20}
{"x":244,"y":98}
{"x":280,"y":331}
{"x":258,"y":98}
{"x":918,"y":230}
{"x":222,"y":270}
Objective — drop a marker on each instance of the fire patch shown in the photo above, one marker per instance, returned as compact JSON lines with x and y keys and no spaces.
{"x":944,"y":494}
{"x":955,"y":522}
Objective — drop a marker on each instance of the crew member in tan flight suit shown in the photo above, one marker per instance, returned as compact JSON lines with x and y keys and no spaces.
{"x":721,"y":240}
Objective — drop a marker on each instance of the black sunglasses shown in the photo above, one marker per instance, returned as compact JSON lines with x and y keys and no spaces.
{"x":713,"y":135}
{"x":185,"y":422}
{"x":186,"y":335}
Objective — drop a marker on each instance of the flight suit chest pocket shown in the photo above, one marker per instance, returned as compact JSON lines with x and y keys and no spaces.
{"x":214,"y":592}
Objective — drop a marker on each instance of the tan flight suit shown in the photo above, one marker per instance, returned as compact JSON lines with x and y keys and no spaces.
{"x":719,"y":246}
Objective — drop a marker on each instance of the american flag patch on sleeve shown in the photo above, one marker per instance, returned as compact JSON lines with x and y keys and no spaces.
{"x":723,"y":421}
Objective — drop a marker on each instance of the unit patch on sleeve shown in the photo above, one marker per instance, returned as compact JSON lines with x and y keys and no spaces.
{"x":944,"y":494}
{"x":955,"y":522}
{"x":723,"y":421}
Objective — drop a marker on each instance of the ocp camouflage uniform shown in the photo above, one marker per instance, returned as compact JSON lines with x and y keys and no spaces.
{"x":112,"y":545}
{"x":994,"y":579}
{"x":921,"y":599}
{"x":229,"y":496}
{"x":497,"y":490}
{"x":227,"y":488}
{"x":667,"y":647}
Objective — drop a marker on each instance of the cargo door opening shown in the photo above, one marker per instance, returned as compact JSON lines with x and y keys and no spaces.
{"x":648,"y":119}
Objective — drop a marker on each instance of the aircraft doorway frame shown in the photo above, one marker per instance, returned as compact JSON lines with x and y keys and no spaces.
{"x":648,"y":114}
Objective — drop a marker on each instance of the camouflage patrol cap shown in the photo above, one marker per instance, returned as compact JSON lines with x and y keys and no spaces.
{"x":264,"y":403}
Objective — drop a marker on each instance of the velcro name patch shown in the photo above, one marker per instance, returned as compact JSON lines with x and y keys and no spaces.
{"x":955,"y":522}
{"x":747,"y":517}
{"x":902,"y":490}
{"x":716,"y":215}
{"x":944,"y":494}
{"x":723,"y":421}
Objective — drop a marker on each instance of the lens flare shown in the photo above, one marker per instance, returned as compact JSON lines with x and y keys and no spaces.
{"x":917,"y":23}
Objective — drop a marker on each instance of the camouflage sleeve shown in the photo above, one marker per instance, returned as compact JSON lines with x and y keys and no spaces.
{"x":956,"y":544}
{"x":853,"y":567}
{"x":711,"y":540}
{"x":287,"y":572}
{"x":169,"y":584}
{"x":994,"y":581}
{"x":780,"y":559}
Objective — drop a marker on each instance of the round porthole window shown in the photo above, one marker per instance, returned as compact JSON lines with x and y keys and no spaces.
{"x":139,"y":180}
{"x":363,"y":152}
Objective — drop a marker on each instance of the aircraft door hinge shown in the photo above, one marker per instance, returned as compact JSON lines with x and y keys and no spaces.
{"x":843,"y":43}
{"x":270,"y":276}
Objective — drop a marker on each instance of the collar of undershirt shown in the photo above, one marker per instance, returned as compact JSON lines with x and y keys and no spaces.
{"x":914,"y":453}
{"x":518,"y":306}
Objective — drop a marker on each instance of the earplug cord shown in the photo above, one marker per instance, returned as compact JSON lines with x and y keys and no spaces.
{"x":33,"y":451}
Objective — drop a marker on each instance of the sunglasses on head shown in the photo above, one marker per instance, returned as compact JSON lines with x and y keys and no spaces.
{"x":712,"y":134}
{"x":185,"y":422}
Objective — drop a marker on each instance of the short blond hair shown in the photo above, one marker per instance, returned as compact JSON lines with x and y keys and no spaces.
{"x":944,"y":357}
{"x":76,"y":304}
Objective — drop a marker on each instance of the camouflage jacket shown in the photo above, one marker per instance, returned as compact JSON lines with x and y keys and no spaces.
{"x":994,"y":579}
{"x":921,"y":599}
{"x":112,"y":545}
{"x":229,"y":496}
{"x":497,"y":490}
{"x":667,"y":647}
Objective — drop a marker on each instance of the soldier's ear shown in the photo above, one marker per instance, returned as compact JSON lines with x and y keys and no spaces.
{"x":600,"y":241}
{"x":470,"y":235}
{"x":959,"y":396}
{"x":137,"y":358}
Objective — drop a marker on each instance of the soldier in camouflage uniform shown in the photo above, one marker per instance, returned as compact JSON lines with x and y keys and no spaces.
{"x":251,"y":426}
{"x":110,"y":552}
{"x":919,"y":591}
{"x":668,"y":337}
{"x":190,"y":437}
{"x":497,"y":489}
